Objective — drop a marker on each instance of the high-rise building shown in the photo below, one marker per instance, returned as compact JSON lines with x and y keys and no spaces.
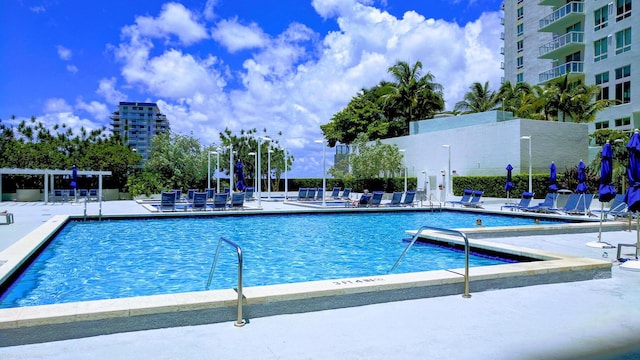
{"x":590,"y":41}
{"x":137,"y":123}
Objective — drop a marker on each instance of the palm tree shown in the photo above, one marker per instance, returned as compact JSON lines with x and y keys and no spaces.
{"x":478,"y":99}
{"x":411,"y":96}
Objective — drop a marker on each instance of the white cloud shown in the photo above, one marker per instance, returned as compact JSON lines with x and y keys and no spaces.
{"x":107,"y":89}
{"x":175,"y":20}
{"x":98,"y":110}
{"x":72,"y":69}
{"x":295,"y":81}
{"x":56,"y":105}
{"x":235,"y":36}
{"x":38,"y":9}
{"x":64,"y":53}
{"x":209,"y":13}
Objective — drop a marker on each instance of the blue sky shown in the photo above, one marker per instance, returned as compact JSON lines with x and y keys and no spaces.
{"x":284,"y":66}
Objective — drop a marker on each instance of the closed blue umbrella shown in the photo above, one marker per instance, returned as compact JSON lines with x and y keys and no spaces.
{"x":240,"y":176}
{"x":582,"y":178}
{"x":553,"y":186}
{"x":74,"y":178}
{"x":508,"y":186}
{"x":606,"y":191}
{"x":632,"y":197}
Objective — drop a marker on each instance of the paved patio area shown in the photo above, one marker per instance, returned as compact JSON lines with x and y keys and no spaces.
{"x":597,"y":319}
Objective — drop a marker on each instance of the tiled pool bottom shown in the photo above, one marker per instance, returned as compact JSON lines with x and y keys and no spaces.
{"x":74,"y":320}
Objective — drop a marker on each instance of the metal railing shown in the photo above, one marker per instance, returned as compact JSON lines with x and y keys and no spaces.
{"x":239,"y":320}
{"x":448,"y":231}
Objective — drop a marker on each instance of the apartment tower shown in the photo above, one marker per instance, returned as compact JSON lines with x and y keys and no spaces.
{"x":589,"y":41}
{"x":137,"y":123}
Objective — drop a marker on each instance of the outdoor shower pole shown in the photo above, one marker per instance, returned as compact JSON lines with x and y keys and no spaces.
{"x":528,"y":137}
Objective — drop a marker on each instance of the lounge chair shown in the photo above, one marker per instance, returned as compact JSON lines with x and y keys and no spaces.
{"x":475,"y":199}
{"x":237,"y":200}
{"x":319,"y":194}
{"x":311,"y":194}
{"x":167,"y":201}
{"x":546,"y":206}
{"x":583,"y":205}
{"x":190,"y":193}
{"x":335,"y":193}
{"x":93,"y":195}
{"x":302,"y":193}
{"x":178,"y":194}
{"x":58,"y":195}
{"x":83,"y":193}
{"x":220,"y":201}
{"x":248,"y":193}
{"x":210,"y":192}
{"x":466,"y":197}
{"x":376,"y":198}
{"x":396,"y":199}
{"x":199,"y":202}
{"x":365,"y":200}
{"x":346,"y":194}
{"x":571,"y":204}
{"x":409,"y":197}
{"x":525,"y":202}
{"x":617,"y":208}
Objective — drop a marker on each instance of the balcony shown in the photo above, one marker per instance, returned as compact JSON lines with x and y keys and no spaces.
{"x":573,"y":69}
{"x":562,"y":17}
{"x":568,"y":43}
{"x":554,"y":3}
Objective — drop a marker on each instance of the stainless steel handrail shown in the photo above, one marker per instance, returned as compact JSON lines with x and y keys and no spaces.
{"x":239,"y":321}
{"x":449,"y":231}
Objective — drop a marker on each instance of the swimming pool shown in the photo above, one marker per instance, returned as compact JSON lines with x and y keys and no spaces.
{"x":126,"y":258}
{"x":41,"y":323}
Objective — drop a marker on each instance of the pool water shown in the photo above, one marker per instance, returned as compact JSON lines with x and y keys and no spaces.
{"x":123,"y":258}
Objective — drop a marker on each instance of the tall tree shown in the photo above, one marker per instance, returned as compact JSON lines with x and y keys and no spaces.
{"x":411,"y":96}
{"x":479,"y":98}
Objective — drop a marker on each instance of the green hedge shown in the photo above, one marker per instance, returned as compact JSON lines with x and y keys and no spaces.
{"x":493,"y":186}
{"x":386,"y":185}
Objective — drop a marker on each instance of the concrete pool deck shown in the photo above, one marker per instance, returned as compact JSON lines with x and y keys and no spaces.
{"x":587,"y":319}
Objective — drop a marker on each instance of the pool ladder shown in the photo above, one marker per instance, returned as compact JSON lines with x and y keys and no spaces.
{"x":448,"y":231}
{"x":239,"y":320}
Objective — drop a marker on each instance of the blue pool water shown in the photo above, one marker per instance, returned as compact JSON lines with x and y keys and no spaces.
{"x":122,"y":258}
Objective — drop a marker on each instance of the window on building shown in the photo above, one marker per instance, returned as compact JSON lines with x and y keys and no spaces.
{"x":519,"y":78}
{"x":602,"y":125}
{"x":520,"y":62}
{"x":575,"y":27}
{"x":623,"y":41}
{"x":626,"y":121}
{"x":520,"y":12}
{"x":623,"y":9}
{"x":623,"y":85}
{"x":573,"y":57}
{"x":520,"y":45}
{"x":600,"y":49}
{"x":601,"y":17}
{"x":602,"y":80}
{"x":520,"y":29}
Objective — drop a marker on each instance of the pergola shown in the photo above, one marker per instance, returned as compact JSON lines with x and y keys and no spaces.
{"x":50,"y":173}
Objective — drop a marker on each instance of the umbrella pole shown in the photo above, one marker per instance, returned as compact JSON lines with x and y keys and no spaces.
{"x":601,"y":219}
{"x":600,"y":244}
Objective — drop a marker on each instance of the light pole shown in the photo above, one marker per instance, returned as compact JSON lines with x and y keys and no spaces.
{"x":255,"y":168}
{"x":528,"y":137}
{"x":324,"y":171}
{"x":286,"y":185}
{"x":260,"y":138}
{"x":230,"y":169}
{"x":269,"y":174}
{"x":209,"y":168}
{"x":404,"y":162}
{"x":449,"y":182}
{"x":218,"y":169}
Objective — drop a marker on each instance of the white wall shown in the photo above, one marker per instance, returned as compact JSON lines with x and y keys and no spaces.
{"x":486,"y":149}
